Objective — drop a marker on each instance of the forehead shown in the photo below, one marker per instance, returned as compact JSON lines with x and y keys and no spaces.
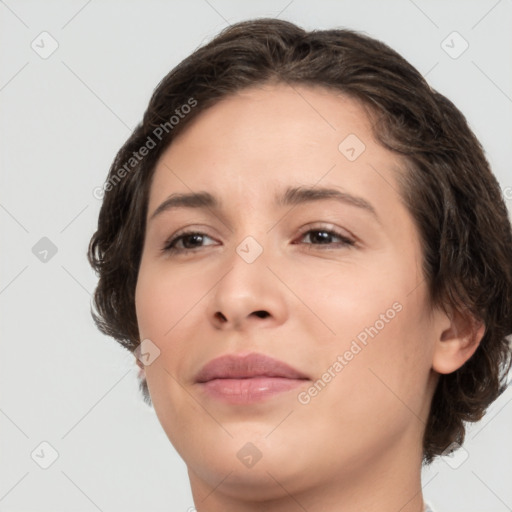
{"x":278,"y":115}
{"x":268,"y":137}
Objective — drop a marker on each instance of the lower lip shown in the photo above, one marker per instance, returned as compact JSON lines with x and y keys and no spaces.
{"x":244,"y":391}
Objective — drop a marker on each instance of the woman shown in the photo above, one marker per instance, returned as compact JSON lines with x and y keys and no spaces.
{"x":304,"y":247}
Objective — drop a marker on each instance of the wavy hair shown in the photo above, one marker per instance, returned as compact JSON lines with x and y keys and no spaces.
{"x":448,"y":187}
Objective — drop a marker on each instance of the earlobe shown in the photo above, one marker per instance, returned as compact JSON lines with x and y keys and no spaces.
{"x":458,"y":342}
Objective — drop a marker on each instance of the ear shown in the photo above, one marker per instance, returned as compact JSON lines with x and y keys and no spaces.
{"x":460,"y":334}
{"x":141,"y":367}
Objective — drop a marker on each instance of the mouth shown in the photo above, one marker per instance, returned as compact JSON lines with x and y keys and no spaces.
{"x":242,"y":379}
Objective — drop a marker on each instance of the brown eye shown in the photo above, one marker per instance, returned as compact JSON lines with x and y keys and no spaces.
{"x":326,"y":237}
{"x":185,"y":242}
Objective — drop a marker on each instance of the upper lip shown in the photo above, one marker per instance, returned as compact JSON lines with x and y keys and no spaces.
{"x":240,"y":366}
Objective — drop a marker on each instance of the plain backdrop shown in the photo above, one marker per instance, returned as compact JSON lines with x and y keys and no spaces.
{"x":63,"y":117}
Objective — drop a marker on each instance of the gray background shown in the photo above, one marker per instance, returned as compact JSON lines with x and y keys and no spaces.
{"x":63,"y":119}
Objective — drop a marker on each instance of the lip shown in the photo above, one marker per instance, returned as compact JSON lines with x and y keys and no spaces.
{"x":247,"y":378}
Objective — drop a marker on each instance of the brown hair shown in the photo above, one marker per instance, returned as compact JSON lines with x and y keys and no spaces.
{"x":448,"y":187}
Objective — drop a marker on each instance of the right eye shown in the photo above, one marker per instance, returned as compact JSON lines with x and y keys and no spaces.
{"x":185,"y":242}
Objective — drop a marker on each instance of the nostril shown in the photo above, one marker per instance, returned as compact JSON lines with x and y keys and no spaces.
{"x":220,"y":316}
{"x":261,"y":314}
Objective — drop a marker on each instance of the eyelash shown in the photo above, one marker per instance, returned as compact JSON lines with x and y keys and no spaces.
{"x":170,"y":245}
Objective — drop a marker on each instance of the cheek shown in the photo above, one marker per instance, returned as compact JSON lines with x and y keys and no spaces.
{"x":162,"y":299}
{"x":164,"y":307}
{"x":391,"y":367}
{"x":381,"y":390}
{"x":352,"y":296}
{"x":150,"y":308}
{"x":377,"y":315}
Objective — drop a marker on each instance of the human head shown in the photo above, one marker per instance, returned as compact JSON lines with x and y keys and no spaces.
{"x":447,"y":185}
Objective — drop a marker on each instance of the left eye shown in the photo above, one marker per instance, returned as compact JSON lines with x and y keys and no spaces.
{"x":325,"y":237}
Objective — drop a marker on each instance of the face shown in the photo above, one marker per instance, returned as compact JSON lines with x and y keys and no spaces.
{"x":328,"y":282}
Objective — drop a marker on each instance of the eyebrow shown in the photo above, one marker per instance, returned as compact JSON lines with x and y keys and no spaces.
{"x":292,"y":196}
{"x":190,"y":200}
{"x":297,"y":195}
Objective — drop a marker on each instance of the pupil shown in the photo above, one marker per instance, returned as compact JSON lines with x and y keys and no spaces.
{"x":322,"y":236}
{"x":195,"y":239}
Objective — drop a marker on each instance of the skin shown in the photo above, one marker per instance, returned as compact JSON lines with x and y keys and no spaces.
{"x":357,"y":444}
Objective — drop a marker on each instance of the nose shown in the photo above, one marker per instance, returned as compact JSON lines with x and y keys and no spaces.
{"x":249,"y":295}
